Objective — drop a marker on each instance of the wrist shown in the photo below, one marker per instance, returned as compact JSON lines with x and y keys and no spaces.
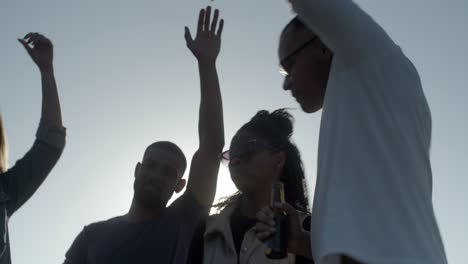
{"x":46,"y":69}
{"x":207,"y":62}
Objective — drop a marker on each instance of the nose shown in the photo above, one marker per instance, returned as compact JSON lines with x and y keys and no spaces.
{"x":287,"y":84}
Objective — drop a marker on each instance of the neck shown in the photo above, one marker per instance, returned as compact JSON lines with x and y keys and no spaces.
{"x":139,"y":213}
{"x":252,"y":203}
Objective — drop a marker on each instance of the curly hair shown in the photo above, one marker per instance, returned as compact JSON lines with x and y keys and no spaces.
{"x":277,"y":128}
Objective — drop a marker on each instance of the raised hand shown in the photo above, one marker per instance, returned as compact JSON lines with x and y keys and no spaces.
{"x":207,"y":43}
{"x":39,"y":48}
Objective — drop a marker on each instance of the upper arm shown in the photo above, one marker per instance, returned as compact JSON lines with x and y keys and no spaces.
{"x":25,"y":177}
{"x":203,"y":176}
{"x":344,"y":27}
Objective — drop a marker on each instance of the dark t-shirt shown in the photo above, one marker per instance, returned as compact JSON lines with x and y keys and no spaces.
{"x":165,"y":240}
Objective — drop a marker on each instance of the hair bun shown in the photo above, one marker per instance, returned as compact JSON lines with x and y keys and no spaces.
{"x":284,"y":122}
{"x":278,"y":122}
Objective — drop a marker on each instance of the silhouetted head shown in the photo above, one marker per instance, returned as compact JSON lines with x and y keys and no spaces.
{"x":306,"y":61}
{"x":262,"y":153}
{"x":3,"y":148}
{"x":159,"y":174}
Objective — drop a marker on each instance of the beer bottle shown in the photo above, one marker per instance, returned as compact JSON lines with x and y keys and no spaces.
{"x":277,"y":245}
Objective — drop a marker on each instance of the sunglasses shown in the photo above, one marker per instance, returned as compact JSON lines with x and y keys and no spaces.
{"x":292,"y":55}
{"x":245,"y":151}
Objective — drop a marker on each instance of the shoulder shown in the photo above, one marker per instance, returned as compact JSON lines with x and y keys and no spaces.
{"x":187,"y":205}
{"x":97,"y":228}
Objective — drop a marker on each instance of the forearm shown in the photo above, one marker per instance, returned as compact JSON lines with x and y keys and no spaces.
{"x":210,"y":127}
{"x":51,"y":112}
{"x":205,"y":163}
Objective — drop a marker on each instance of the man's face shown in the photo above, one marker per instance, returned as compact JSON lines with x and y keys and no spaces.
{"x":306,"y":63}
{"x":157,"y":177}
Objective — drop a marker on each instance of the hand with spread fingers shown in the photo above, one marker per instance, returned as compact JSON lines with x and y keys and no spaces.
{"x":39,"y":48}
{"x":207,"y":43}
{"x":298,"y":238}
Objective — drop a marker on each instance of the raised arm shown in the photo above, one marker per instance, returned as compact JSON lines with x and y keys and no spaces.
{"x":42,"y":53}
{"x":344,"y":28}
{"x":205,"y":163}
{"x":23,"y":179}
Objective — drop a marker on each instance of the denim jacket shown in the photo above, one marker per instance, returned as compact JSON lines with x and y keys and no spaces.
{"x":219,"y":244}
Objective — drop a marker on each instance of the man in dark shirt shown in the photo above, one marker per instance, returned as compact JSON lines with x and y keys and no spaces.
{"x":164,"y":239}
{"x":151,"y":232}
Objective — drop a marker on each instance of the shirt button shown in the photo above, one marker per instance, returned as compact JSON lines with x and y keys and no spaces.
{"x":245,"y":249}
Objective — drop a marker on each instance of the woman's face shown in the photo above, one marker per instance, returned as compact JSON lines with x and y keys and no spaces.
{"x":254,"y":163}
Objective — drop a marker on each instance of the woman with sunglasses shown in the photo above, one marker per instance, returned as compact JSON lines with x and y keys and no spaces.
{"x":261,"y":153}
{"x":19,"y":183}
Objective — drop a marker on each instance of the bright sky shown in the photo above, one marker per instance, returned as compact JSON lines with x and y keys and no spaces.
{"x":126,"y":80}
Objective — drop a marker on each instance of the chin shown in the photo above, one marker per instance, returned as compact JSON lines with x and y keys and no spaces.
{"x":311,"y":109}
{"x":151,"y":200}
{"x":241,"y":185}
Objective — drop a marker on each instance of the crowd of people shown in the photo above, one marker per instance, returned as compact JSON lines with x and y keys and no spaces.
{"x":373,"y":194}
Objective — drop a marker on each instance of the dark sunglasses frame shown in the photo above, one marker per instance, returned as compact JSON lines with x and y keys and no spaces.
{"x":296,"y":51}
{"x":226,"y":157}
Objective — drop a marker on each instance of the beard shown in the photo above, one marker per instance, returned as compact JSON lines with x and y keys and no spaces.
{"x":149,"y":198}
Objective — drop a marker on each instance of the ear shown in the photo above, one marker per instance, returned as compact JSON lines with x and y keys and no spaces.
{"x":180,"y":185}
{"x":137,"y":169}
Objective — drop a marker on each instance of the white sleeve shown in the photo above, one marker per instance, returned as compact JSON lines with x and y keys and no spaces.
{"x":344,"y":28}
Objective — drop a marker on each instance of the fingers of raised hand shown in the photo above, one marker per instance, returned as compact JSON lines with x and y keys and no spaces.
{"x":206,"y":25}
{"x":220,"y":28}
{"x":201,"y":17}
{"x":33,"y":38}
{"x":26,"y":46}
{"x":215,"y":21}
{"x":36,"y":39}
{"x":188,"y":36}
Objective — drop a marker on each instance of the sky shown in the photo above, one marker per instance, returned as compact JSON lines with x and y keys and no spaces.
{"x":126,"y":79}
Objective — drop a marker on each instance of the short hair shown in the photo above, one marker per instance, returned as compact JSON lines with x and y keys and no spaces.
{"x":295,"y":26}
{"x":171,"y":147}
{"x":3,"y":148}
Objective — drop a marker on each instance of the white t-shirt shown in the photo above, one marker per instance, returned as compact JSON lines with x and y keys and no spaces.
{"x":373,"y":197}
